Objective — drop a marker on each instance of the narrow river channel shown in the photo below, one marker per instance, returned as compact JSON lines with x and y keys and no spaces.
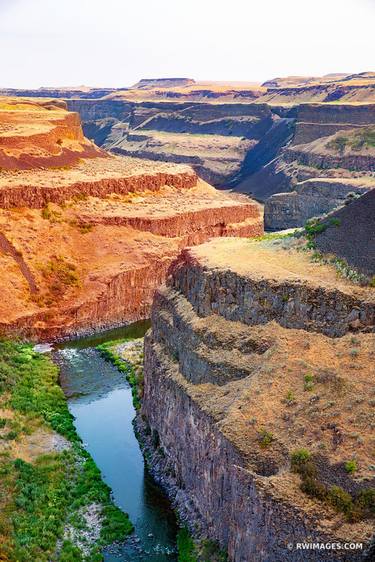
{"x":100,"y":399}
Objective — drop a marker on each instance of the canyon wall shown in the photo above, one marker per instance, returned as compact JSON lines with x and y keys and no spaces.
{"x":86,"y":237}
{"x":260,"y":140}
{"x":225,"y":404}
{"x":254,"y":148}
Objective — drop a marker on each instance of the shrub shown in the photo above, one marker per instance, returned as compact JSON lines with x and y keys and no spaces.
{"x":300,"y":457}
{"x":340,"y":500}
{"x":314,"y":488}
{"x":185,"y":547}
{"x":351,"y":466}
{"x":338,"y":144}
{"x":49,"y":214}
{"x":290,"y":397}
{"x":265,"y":438}
{"x":308,"y":382}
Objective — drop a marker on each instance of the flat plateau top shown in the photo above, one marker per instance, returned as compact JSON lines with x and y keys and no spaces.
{"x":275,"y":260}
{"x":88,"y":171}
{"x":166,"y":202}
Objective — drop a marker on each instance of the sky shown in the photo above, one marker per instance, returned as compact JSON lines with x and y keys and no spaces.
{"x":114,"y":43}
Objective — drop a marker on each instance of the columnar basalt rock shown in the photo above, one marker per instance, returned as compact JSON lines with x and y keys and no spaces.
{"x":235,"y":332}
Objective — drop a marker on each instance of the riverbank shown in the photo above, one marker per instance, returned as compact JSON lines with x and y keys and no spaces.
{"x":127,"y":357}
{"x":53,"y":501}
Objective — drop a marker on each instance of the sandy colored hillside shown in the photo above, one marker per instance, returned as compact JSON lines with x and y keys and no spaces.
{"x":41,"y":133}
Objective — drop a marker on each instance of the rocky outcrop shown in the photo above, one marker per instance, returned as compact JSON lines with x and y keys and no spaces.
{"x":314,"y":121}
{"x":234,"y":332}
{"x":311,"y":198}
{"x":150,"y":83}
{"x":35,"y":134}
{"x":35,"y":189}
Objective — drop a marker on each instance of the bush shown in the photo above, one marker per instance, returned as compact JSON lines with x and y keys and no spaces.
{"x":185,"y":547}
{"x":340,"y":500}
{"x":338,"y":144}
{"x":308,"y":382}
{"x":351,"y":466}
{"x":299,"y":458}
{"x":265,"y":438}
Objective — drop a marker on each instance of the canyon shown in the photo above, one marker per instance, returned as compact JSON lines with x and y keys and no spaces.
{"x":254,"y":393}
{"x":261,"y":139}
{"x":86,"y":237}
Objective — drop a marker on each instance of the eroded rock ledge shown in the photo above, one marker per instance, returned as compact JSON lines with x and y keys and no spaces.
{"x":86,"y":237}
{"x":235,"y":333}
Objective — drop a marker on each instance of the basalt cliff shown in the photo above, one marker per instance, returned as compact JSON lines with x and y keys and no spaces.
{"x":257,"y":404}
{"x":86,"y":237}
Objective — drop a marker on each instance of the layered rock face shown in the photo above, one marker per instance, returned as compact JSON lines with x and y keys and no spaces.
{"x":83,"y":245}
{"x":250,"y":359}
{"x":312,"y":198}
{"x":221,"y":141}
{"x":35,"y":134}
{"x":258,"y":139}
{"x":253,"y":147}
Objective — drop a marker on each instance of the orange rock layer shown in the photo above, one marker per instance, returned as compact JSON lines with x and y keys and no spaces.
{"x":41,"y":133}
{"x":84,"y":247}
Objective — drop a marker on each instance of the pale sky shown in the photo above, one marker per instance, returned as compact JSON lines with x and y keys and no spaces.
{"x":114,"y":43}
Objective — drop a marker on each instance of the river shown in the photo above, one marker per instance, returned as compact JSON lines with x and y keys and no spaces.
{"x":99,"y":397}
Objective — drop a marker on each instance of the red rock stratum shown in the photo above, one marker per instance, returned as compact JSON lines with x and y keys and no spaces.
{"x":87,"y":237}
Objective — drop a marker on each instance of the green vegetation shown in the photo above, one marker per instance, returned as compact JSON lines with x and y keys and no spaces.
{"x":363,"y":138}
{"x":210,"y":551}
{"x":133,"y":374}
{"x":199,"y":551}
{"x":351,"y":466}
{"x":265,"y":438}
{"x":39,"y":499}
{"x":299,"y":458}
{"x":49,"y":214}
{"x":313,"y":227}
{"x":60,"y":275}
{"x":186,"y":547}
{"x":83,"y":227}
{"x":308,"y":382}
{"x":290,"y":397}
{"x":273,"y":236}
{"x":355,"y":507}
{"x":338,"y":144}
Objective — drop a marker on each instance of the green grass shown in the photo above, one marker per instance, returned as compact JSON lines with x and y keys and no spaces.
{"x":351,"y":466}
{"x":39,"y":499}
{"x":186,"y":547}
{"x":268,"y":236}
{"x":265,"y":438}
{"x":134,"y":379}
{"x":199,"y":551}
